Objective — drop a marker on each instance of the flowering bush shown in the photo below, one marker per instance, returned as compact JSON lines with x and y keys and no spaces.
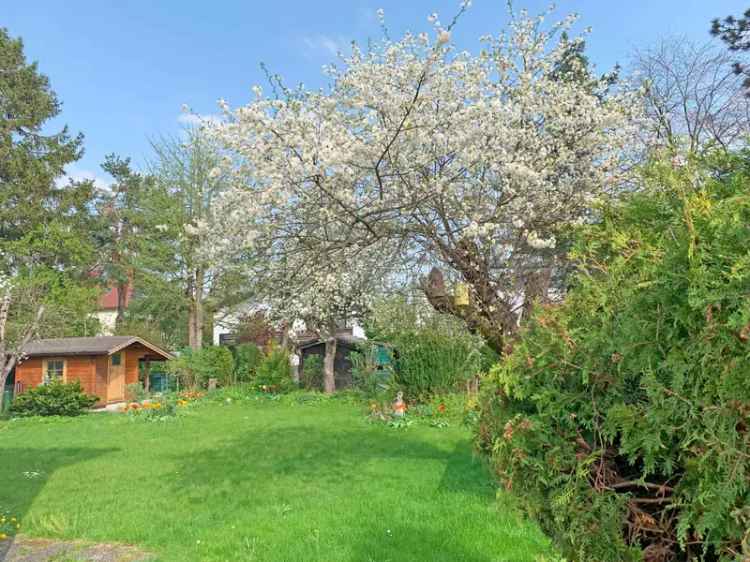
{"x":9,"y":525}
{"x":163,"y":408}
{"x":621,"y":420}
{"x":153,"y":411}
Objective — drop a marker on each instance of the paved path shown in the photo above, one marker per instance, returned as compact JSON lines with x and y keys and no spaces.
{"x":24,"y":549}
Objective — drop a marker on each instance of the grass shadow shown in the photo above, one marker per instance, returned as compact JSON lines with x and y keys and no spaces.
{"x":464,"y":477}
{"x":321,"y":455}
{"x":369,"y":494}
{"x":25,"y":470}
{"x":383,"y":545}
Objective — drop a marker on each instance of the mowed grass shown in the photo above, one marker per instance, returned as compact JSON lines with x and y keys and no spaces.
{"x":262,"y":480}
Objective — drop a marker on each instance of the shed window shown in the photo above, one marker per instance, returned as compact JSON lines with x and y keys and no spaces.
{"x":116,"y":359}
{"x":55,"y":370}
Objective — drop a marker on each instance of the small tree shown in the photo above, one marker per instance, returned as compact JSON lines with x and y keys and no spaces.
{"x":693,"y":98}
{"x":323,"y":291}
{"x":179,"y":210}
{"x":13,"y":339}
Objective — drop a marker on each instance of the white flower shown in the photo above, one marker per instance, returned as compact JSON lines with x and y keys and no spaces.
{"x":540,"y":243}
{"x":464,"y":150}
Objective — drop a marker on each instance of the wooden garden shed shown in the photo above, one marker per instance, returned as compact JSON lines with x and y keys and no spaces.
{"x":104,"y":365}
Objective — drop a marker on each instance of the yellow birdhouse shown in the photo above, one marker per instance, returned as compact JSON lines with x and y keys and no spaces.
{"x":461,"y":295}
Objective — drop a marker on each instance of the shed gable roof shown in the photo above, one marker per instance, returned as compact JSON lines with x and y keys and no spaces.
{"x":99,"y":345}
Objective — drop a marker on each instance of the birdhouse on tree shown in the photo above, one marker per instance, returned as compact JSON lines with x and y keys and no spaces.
{"x":461,"y":295}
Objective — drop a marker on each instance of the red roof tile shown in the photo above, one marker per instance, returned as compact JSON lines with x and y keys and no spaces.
{"x":108,"y":299}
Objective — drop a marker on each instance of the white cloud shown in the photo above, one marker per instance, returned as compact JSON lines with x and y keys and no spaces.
{"x":326,"y":44}
{"x":196,"y":119}
{"x":77,"y":174}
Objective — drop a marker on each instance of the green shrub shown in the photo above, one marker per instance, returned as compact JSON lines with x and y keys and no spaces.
{"x":194,"y":367}
{"x":312,"y":372}
{"x":274,"y":372}
{"x":247,"y":357}
{"x":621,"y":420}
{"x":136,"y":392}
{"x":53,"y":399}
{"x":432,"y":353}
{"x":370,"y":376}
{"x":429,"y":363}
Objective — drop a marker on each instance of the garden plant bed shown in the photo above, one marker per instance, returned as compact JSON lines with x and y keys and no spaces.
{"x":261,"y":479}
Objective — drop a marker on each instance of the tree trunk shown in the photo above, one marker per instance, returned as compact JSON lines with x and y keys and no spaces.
{"x":329,"y":369}
{"x":486,"y":314}
{"x":122,"y":289}
{"x":285,"y":336}
{"x":190,"y":297}
{"x":199,"y":309}
{"x":296,"y":365}
{"x":196,"y":309}
{"x":191,"y":326}
{"x":536,"y":289}
{"x":3,"y":377}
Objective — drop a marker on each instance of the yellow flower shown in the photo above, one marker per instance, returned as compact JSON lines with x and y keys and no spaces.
{"x":3,"y":536}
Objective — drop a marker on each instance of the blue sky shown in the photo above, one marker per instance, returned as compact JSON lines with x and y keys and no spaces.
{"x":123,"y":68}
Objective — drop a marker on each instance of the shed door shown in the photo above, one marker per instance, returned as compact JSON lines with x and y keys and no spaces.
{"x":116,"y":382}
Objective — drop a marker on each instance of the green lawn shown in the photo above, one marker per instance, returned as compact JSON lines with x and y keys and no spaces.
{"x":262,"y":480}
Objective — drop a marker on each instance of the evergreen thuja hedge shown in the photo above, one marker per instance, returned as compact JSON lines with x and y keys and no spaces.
{"x":621,"y":419}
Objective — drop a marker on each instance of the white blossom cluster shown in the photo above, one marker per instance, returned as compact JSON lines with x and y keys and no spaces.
{"x":6,"y":284}
{"x":417,"y":143}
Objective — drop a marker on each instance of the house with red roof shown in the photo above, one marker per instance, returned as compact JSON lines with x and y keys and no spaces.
{"x":106,"y":309}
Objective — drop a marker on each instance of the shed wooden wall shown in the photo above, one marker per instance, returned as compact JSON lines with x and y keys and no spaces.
{"x":101,"y":370}
{"x":342,"y":364}
{"x":91,"y":370}
{"x":132,"y":355}
{"x":29,"y":372}
{"x":80,"y":368}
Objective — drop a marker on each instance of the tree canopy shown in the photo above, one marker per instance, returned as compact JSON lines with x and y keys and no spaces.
{"x":474,"y":163}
